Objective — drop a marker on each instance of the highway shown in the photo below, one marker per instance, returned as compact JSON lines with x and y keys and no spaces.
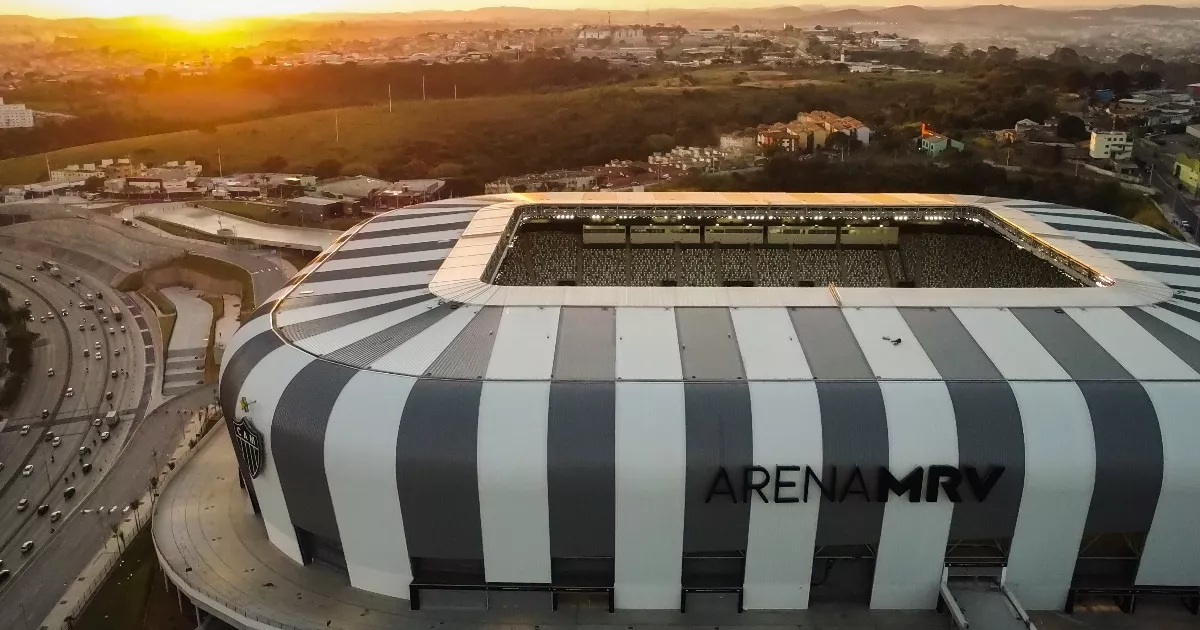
{"x":70,"y":418}
{"x":1162,"y":161}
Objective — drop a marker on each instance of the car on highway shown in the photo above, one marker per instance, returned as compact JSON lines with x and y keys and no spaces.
{"x":78,"y":279}
{"x":49,"y":314}
{"x":114,"y":374}
{"x":49,"y":371}
{"x":104,"y":436}
{"x":5,"y":574}
{"x":88,"y":307}
{"x":33,"y":278}
{"x":70,"y":392}
{"x":92,"y":327}
{"x":45,"y":414}
{"x":69,"y":492}
{"x":65,"y":313}
{"x":86,"y":353}
{"x":116,"y":352}
{"x":82,"y":305}
{"x":22,"y":504}
{"x":71,"y":284}
{"x":82,"y":328}
{"x":98,"y":357}
{"x":97,"y":345}
{"x":42,"y":509}
{"x":89,"y":297}
{"x":27,"y":302}
{"x":27,"y":546}
{"x":111,"y":331}
{"x":55,"y":515}
{"x":107,"y":395}
{"x":99,"y":295}
{"x":41,"y":319}
{"x":104,"y":318}
{"x":27,"y":470}
{"x":86,"y":468}
{"x":122,"y":329}
{"x":56,"y":442}
{"x":25,"y":429}
{"x":97,"y":422}
{"x":84,"y":450}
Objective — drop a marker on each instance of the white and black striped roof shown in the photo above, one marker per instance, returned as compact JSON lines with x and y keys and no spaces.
{"x":390,"y":351}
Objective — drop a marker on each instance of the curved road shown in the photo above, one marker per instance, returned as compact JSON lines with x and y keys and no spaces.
{"x":57,"y":468}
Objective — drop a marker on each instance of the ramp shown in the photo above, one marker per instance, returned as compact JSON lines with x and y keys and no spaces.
{"x":985,"y":604}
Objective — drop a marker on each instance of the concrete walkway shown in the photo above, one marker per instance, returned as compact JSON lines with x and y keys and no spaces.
{"x":184,"y":365}
{"x":227,"y":325}
{"x":216,"y":223}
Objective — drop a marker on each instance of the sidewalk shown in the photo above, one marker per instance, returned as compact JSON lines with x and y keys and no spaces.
{"x":183,"y":365}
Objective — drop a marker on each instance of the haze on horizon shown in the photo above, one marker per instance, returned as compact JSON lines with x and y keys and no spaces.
{"x":218,"y":9}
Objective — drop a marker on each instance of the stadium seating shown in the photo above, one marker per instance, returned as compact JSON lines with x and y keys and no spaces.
{"x":923,"y":258}
{"x":698,"y":267}
{"x":603,"y":266}
{"x":862,"y":267}
{"x":818,"y":265}
{"x":649,"y":266}
{"x":774,"y":267}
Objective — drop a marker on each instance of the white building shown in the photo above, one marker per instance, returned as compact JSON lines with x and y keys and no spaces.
{"x":13,"y":116}
{"x":75,"y":173}
{"x":1110,"y":145}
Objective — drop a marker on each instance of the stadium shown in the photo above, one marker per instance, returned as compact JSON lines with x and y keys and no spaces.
{"x":773,"y":400}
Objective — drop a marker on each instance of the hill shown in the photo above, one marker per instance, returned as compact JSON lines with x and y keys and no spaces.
{"x":481,"y":137}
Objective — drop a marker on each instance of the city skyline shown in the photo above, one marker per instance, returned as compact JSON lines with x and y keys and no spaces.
{"x":221,"y":9}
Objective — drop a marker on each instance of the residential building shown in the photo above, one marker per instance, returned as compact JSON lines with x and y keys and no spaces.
{"x":1187,"y":171}
{"x":553,"y":181}
{"x":934,"y":144}
{"x":409,"y":192}
{"x":76,"y":173}
{"x":1110,"y":145}
{"x":1129,"y":107}
{"x":316,"y":208}
{"x":737,"y":143}
{"x":15,"y":116}
{"x":833,"y":123}
{"x":1194,"y":90}
{"x":356,"y":187}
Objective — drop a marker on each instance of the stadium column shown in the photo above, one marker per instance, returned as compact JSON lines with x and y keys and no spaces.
{"x":921,"y":432}
{"x":1060,"y":458}
{"x":651,"y":460}
{"x":786,"y":420}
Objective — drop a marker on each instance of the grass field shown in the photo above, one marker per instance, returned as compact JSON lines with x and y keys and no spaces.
{"x":484,"y":137}
{"x":133,"y":598}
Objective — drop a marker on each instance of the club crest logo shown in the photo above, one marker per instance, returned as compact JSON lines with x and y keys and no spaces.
{"x":249,"y":443}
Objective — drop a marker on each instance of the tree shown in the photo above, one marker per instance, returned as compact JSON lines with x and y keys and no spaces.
{"x":660,"y":55}
{"x":274,"y":164}
{"x":446,"y":169}
{"x":1071,"y":128}
{"x":327,"y":168}
{"x":150,"y":75}
{"x":1065,"y":56}
{"x":1075,"y":81}
{"x":1119,"y":82}
{"x":94,"y":184}
{"x":958,"y":51}
{"x":659,"y":142}
{"x":270,"y":61}
{"x":751,"y":56}
{"x":240,"y":65}
{"x":1146,"y":80}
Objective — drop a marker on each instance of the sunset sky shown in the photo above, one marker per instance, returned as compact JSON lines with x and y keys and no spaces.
{"x":210,"y":9}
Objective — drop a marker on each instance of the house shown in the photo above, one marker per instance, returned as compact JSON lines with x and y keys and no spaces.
{"x":934,"y":144}
{"x":1025,"y":126}
{"x":1129,"y":107}
{"x":1187,"y":171}
{"x":1194,"y":90}
{"x":408,"y":192}
{"x":316,"y":208}
{"x":355,"y":188}
{"x":1110,"y":145}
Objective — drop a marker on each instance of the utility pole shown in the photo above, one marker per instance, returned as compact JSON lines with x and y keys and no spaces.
{"x":48,"y":177}
{"x":422,"y":87}
{"x":456,"y":91}
{"x":220,"y":166}
{"x":337,"y":132}
{"x":389,"y":98}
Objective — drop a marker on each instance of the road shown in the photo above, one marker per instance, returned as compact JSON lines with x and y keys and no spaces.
{"x":1161,"y":159}
{"x":27,"y":602}
{"x":70,"y":417}
{"x":217,"y":223}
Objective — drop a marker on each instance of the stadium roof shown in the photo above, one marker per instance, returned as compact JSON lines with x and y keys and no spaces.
{"x":402,"y":293}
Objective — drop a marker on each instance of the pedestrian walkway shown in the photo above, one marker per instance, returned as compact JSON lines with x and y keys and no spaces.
{"x":183,"y":367}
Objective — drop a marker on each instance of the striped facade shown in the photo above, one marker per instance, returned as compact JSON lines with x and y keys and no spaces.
{"x":518,"y":440}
